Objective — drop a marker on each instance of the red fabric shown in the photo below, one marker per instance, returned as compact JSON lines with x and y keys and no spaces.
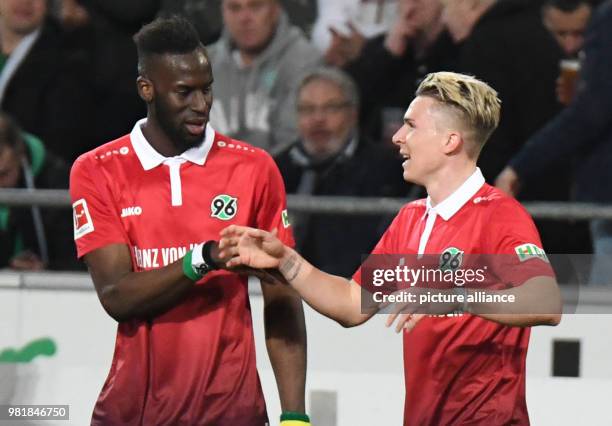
{"x":195,"y":364}
{"x":464,"y":369}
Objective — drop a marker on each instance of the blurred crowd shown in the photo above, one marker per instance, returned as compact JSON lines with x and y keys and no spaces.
{"x":321,"y":85}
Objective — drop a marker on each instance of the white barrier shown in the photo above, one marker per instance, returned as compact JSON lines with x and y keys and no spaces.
{"x":363,"y":366}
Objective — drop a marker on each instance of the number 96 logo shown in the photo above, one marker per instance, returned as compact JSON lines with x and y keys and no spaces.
{"x":224,"y":207}
{"x":451,"y":259}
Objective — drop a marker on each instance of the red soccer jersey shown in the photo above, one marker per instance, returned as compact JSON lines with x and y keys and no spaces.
{"x":194,"y":364}
{"x":464,"y":369}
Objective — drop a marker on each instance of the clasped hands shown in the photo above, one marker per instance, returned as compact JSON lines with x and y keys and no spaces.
{"x":262,"y":251}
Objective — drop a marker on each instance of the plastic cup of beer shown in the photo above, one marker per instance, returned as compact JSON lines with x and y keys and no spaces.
{"x":570,"y":68}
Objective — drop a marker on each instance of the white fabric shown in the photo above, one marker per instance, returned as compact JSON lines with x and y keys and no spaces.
{"x":196,"y":255}
{"x":371,"y":18}
{"x":431,"y":219}
{"x":174,"y":164}
{"x":150,"y":158}
{"x":15,"y":59}
{"x":450,"y":205}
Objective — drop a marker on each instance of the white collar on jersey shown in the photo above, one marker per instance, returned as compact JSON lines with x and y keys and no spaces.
{"x":451,"y":204}
{"x":150,"y":158}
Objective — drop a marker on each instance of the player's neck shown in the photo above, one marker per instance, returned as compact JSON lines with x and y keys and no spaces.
{"x":448,"y":181}
{"x":158,"y":139}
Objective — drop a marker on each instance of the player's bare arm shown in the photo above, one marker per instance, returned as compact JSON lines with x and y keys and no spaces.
{"x":285,"y":332}
{"x":126,"y":294}
{"x":335,"y":297}
{"x":538,"y":302}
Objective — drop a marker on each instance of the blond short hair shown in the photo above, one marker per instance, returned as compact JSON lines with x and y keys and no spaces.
{"x":474,"y":102}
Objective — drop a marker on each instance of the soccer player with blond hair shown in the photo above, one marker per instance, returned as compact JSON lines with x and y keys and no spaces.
{"x":466,"y":368}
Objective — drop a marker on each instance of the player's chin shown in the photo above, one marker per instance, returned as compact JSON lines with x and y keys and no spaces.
{"x":410,"y":176}
{"x":191,"y":139}
{"x":406,"y":173}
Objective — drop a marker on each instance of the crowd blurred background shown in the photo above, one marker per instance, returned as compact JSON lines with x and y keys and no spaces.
{"x":321,"y":84}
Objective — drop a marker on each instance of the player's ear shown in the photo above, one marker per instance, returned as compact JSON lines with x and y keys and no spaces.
{"x":146,"y":91}
{"x":454,"y":142}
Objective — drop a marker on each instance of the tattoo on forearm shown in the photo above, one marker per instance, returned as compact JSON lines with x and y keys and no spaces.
{"x":291,"y":268}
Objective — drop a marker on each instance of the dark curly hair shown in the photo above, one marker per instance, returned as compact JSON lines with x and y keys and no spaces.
{"x":174,"y":35}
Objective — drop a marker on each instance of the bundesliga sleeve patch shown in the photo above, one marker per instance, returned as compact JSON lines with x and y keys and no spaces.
{"x":82,"y":219}
{"x":530,"y":251}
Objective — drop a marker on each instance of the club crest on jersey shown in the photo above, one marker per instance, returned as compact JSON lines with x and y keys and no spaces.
{"x":82,"y":219}
{"x":224,"y":207}
{"x":530,"y":251}
{"x":451,"y":259}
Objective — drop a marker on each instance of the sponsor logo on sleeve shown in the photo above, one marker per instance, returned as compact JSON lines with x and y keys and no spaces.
{"x":285,"y":218}
{"x":530,"y":251}
{"x":82,"y":219}
{"x":224,"y":207}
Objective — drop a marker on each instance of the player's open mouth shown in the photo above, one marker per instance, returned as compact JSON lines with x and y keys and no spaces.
{"x":195,"y":129}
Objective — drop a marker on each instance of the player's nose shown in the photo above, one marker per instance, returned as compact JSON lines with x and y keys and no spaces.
{"x":400,"y":136}
{"x":199,"y":102}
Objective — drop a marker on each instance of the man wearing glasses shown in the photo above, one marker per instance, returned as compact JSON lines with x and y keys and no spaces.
{"x":331,"y":158}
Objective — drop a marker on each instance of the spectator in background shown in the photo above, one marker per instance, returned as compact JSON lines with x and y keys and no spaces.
{"x":257,"y":64}
{"x":104,"y":29}
{"x":343,"y":25}
{"x":331,"y":158}
{"x":567,"y":21}
{"x":205,"y":15}
{"x":391,"y":66}
{"x":583,"y":131}
{"x":41,"y":84}
{"x":506,"y":44}
{"x":302,"y":13}
{"x":29,"y":239}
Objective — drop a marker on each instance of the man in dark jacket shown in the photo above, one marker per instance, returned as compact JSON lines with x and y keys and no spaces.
{"x":505,"y":44}
{"x":330,"y":158}
{"x":32,"y":238}
{"x":391,"y":66}
{"x":104,"y":29}
{"x":41,"y":85}
{"x":582,"y":131}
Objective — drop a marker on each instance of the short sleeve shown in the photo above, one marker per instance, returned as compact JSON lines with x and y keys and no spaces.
{"x":386,"y":245}
{"x":514,"y":245}
{"x":272,"y":207}
{"x":96,"y":223}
